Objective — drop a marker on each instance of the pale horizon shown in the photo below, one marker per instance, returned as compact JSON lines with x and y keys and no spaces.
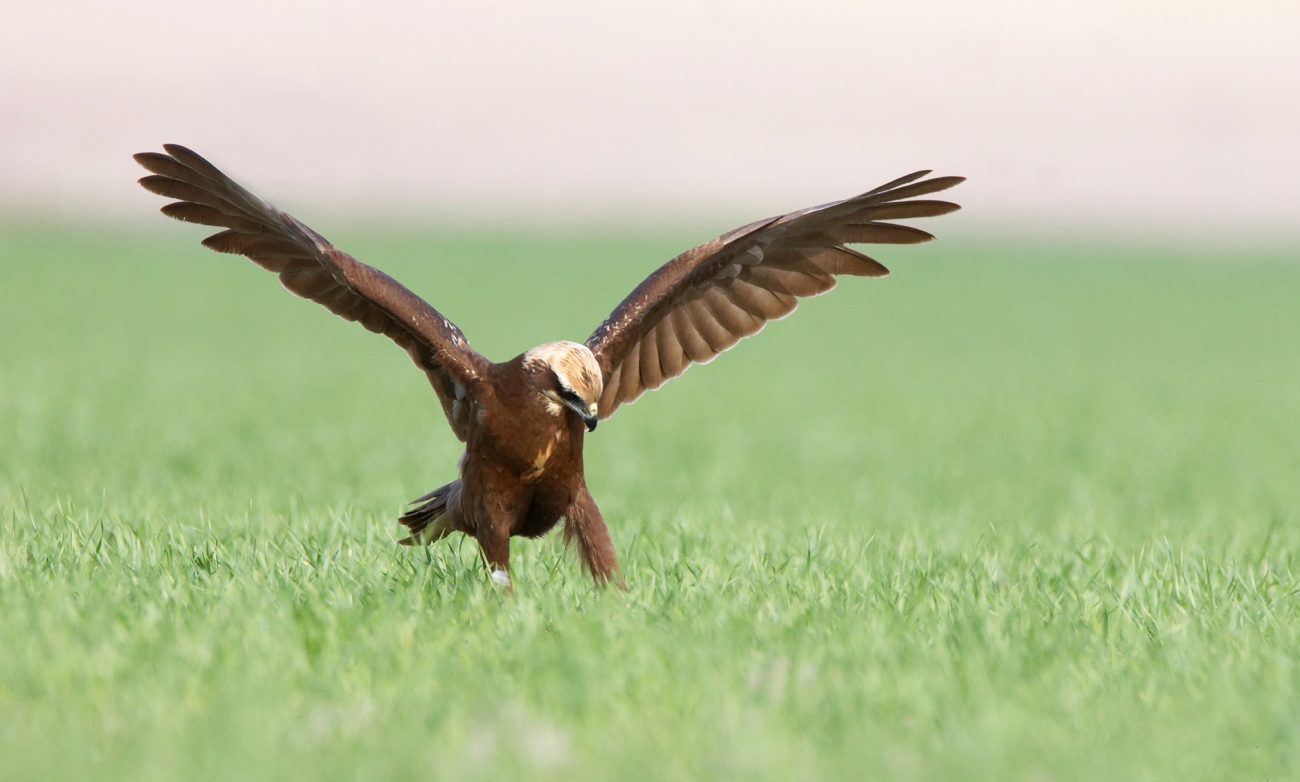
{"x":1156,"y":116}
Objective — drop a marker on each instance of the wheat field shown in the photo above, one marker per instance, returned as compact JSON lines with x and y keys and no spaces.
{"x":1020,"y":511}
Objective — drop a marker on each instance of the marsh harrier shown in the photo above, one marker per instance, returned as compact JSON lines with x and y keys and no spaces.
{"x":523,"y":420}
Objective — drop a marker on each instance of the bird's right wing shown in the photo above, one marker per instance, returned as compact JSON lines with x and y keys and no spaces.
{"x":707,"y":299}
{"x":312,"y":268}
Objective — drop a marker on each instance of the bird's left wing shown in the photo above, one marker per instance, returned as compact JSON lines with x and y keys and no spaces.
{"x":708,"y":298}
{"x":311,"y":267}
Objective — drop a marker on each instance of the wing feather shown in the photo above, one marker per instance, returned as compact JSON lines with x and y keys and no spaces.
{"x":713,"y":330}
{"x":206,"y":215}
{"x":733,"y":318}
{"x":846,"y":261}
{"x":185,"y":192}
{"x":761,"y":302}
{"x":672,"y":354}
{"x":920,"y":188}
{"x":688,"y":335}
{"x":652,"y":375}
{"x":609,"y":398}
{"x":903,"y":180}
{"x":784,"y":281}
{"x":311,"y":267}
{"x":630,"y":385}
{"x":909,"y":209}
{"x":882,"y":233}
{"x":705,"y":300}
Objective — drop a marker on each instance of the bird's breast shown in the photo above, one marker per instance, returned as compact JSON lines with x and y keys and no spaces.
{"x":526,"y":434}
{"x":542,"y":456}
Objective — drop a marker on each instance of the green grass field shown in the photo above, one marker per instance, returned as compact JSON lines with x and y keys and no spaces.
{"x":1017,"y":512}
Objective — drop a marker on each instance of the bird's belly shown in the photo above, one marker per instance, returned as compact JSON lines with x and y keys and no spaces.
{"x":545,"y":509}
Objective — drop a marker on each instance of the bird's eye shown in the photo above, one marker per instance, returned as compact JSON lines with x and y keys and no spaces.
{"x":569,"y":396}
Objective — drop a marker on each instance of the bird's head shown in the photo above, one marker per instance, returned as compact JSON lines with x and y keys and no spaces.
{"x":569,"y":377}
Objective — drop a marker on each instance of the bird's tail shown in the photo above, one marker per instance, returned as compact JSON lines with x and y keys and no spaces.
{"x":431,"y":518}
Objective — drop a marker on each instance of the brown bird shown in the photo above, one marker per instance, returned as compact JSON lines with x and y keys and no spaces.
{"x":523,"y":420}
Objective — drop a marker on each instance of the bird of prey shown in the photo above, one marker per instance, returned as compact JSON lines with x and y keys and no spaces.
{"x":523,"y":420}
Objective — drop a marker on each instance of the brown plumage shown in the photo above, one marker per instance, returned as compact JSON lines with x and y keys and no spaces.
{"x":523,"y":420}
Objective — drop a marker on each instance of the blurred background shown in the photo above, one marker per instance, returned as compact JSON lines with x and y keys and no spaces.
{"x":1025,"y":510}
{"x":1165,"y":117}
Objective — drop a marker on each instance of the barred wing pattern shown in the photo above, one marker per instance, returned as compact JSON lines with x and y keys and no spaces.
{"x":707,"y":299}
{"x":311,"y":267}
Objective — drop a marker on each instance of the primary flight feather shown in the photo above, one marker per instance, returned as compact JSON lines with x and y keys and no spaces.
{"x":523,"y":420}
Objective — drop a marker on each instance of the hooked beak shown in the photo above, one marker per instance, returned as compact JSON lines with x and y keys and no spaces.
{"x":588,"y":416}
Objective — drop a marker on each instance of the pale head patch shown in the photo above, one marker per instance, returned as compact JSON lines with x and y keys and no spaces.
{"x":573,"y":364}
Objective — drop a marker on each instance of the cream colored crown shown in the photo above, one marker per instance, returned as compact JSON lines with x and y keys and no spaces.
{"x":573,"y":364}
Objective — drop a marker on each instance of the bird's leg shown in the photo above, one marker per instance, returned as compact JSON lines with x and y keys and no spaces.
{"x":494,"y":535}
{"x":495,"y":543}
{"x":585,"y":528}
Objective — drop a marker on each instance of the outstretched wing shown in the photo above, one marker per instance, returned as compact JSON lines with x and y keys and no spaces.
{"x":312,"y":268}
{"x":707,"y":299}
